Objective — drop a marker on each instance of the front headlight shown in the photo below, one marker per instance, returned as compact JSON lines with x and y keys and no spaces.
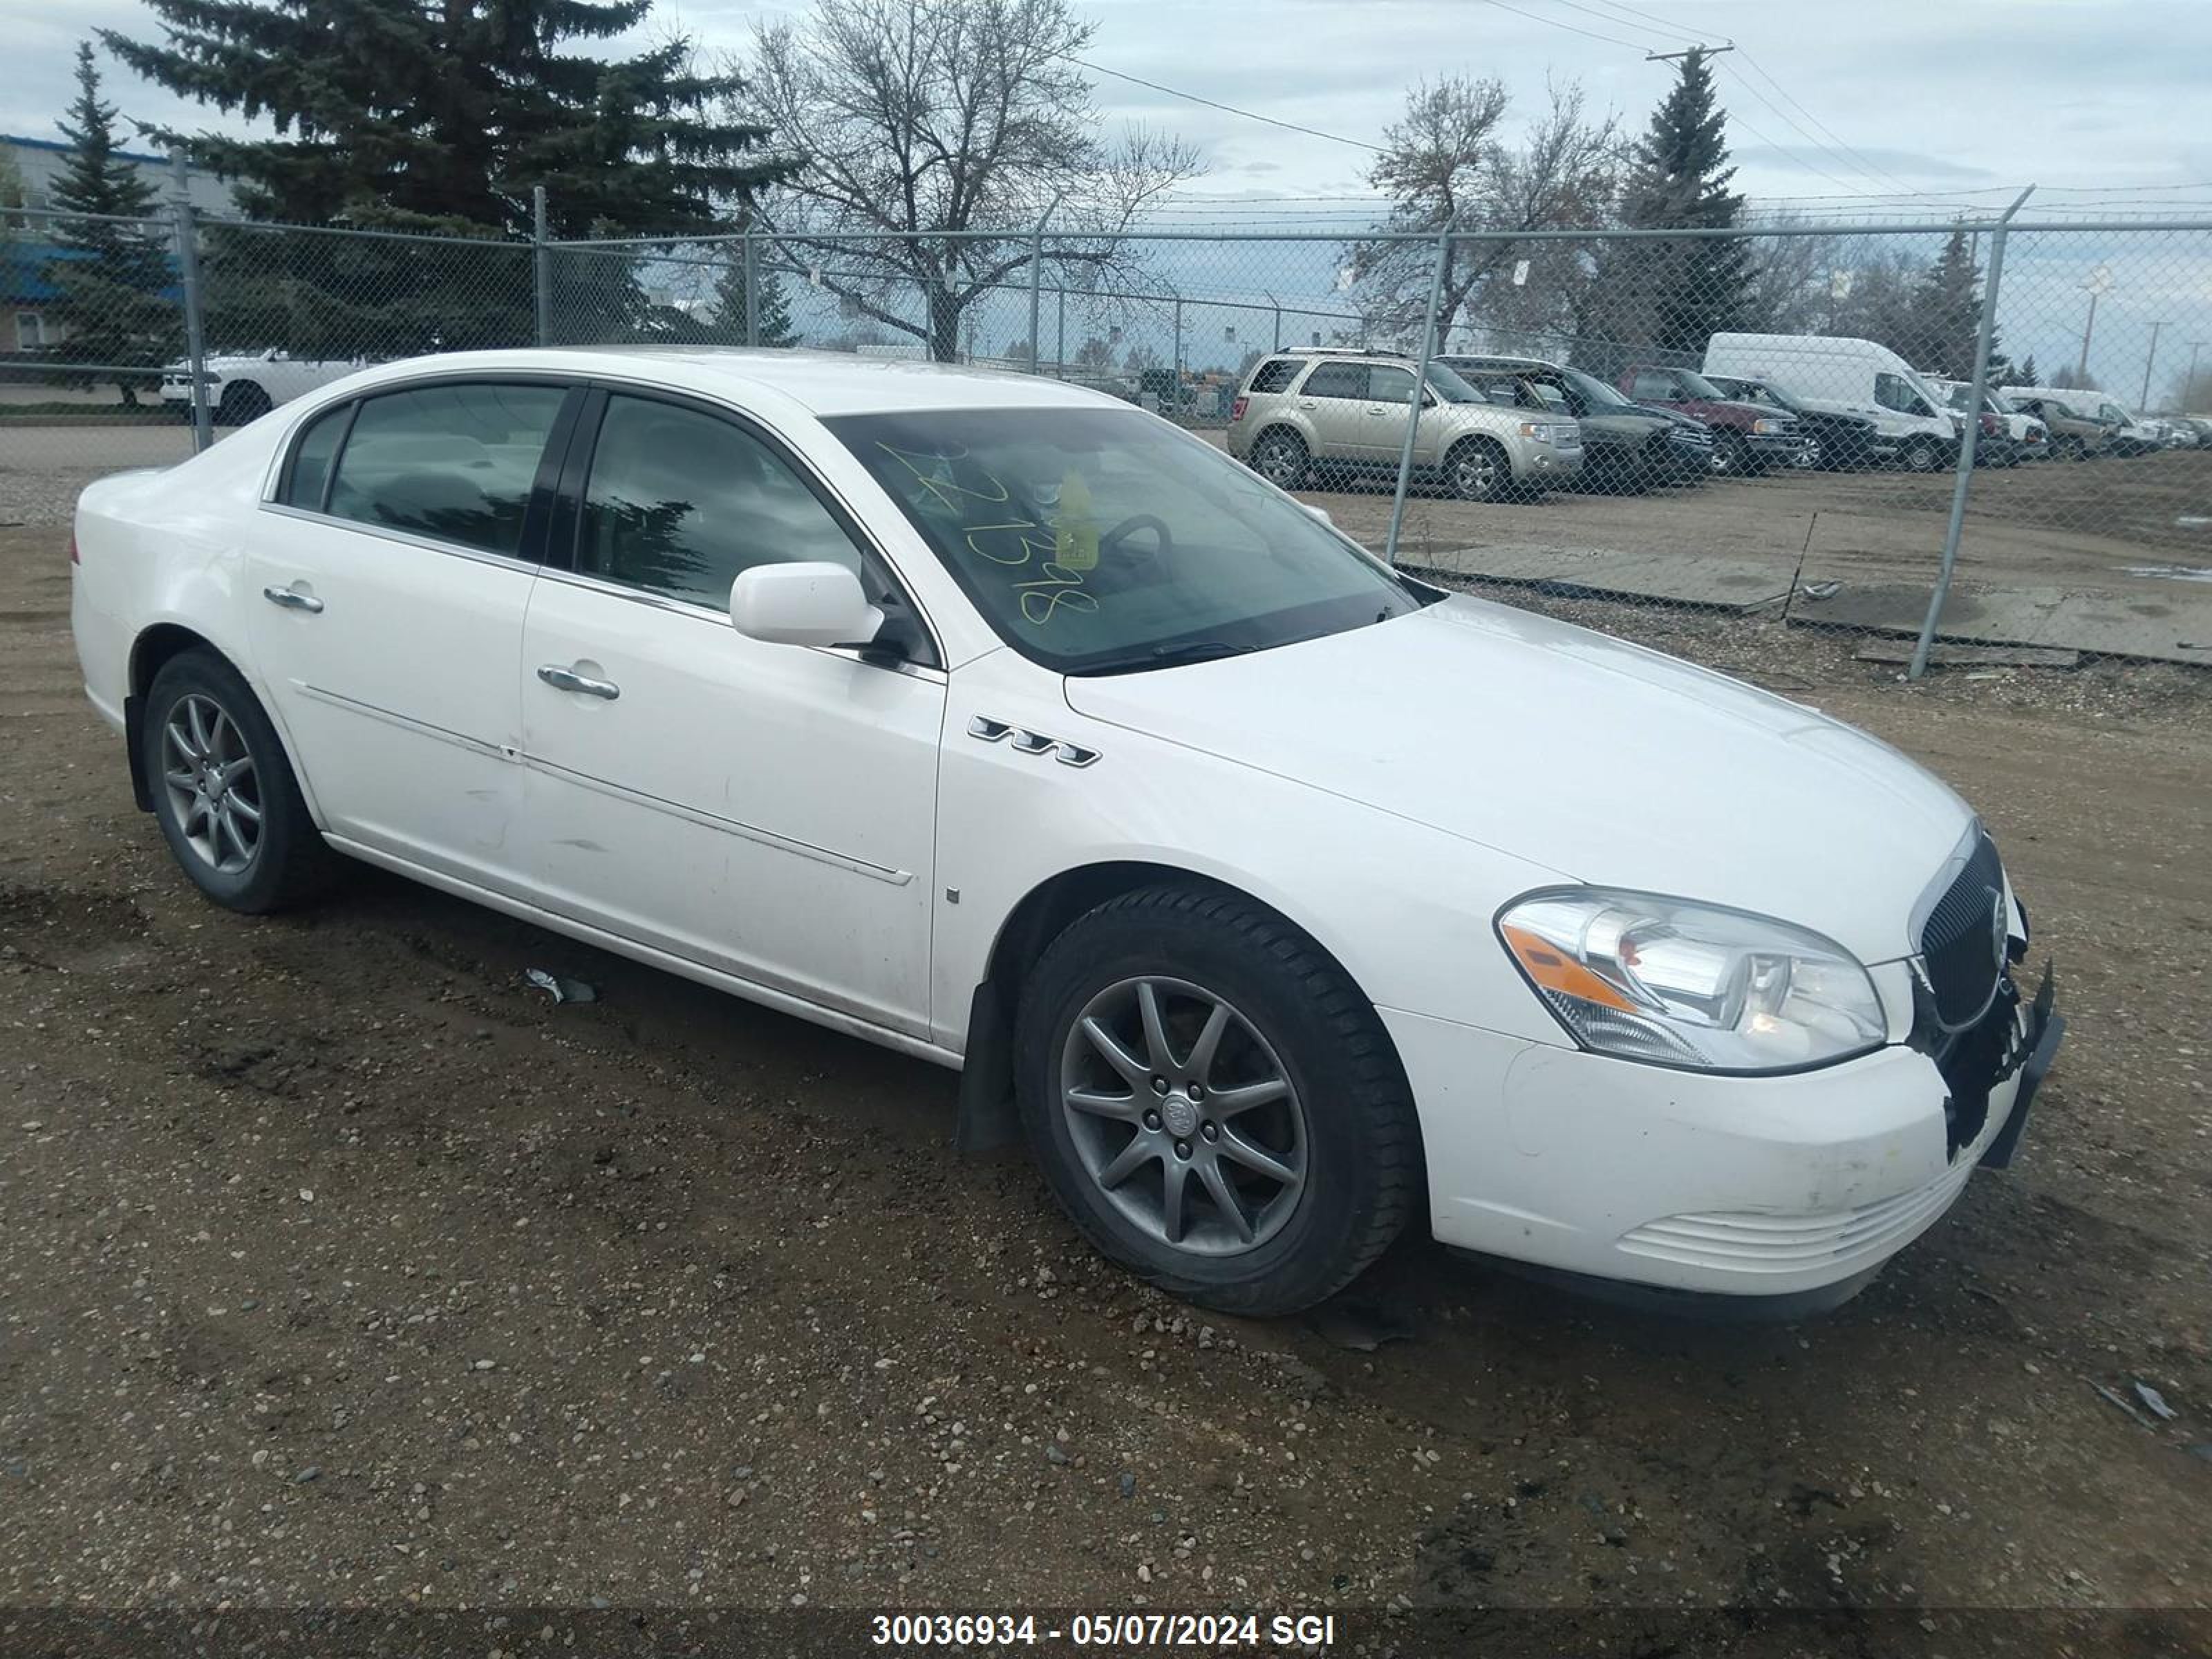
{"x":1542,"y":431}
{"x":1673,"y":983}
{"x":1764,"y":428}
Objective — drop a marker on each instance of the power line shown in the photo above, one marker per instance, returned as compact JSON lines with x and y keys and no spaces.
{"x":1557,"y":23}
{"x":1226,"y":109}
{"x":1827,"y":150}
{"x":1865,"y":166}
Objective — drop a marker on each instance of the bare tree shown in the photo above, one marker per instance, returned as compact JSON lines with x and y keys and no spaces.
{"x":1444,"y":164}
{"x":914,"y":123}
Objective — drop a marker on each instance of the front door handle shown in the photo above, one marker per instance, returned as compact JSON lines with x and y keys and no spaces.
{"x":292,"y":601}
{"x":567,"y":679}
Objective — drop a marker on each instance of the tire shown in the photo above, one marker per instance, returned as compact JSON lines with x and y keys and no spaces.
{"x":1810,"y":458}
{"x":1340,"y":1121}
{"x":242,"y":401}
{"x":197,"y":701}
{"x":1478,"y":470}
{"x":1280,"y":458}
{"x":1731,"y":456}
{"x":1921,"y":455}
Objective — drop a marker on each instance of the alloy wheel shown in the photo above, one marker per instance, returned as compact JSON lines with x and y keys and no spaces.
{"x":1183,"y":1116}
{"x":1474,"y":475}
{"x":214,"y":789}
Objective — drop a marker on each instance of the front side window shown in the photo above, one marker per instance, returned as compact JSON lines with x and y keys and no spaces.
{"x":1389,"y":386}
{"x":681,"y":502}
{"x":1654,"y":383}
{"x":1103,"y":541}
{"x":1891,"y":391}
{"x":454,"y":462}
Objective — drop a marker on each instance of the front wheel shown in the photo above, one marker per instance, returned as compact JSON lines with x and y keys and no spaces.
{"x":1922,"y":455}
{"x":1477,"y":470}
{"x":1731,"y":456}
{"x":223,"y":790}
{"x":1213,"y":1102}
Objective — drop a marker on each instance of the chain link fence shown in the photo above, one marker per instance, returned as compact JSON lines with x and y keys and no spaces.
{"x":1975,"y":444}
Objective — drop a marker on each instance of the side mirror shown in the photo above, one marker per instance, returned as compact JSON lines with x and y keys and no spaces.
{"x":1321,"y":512}
{"x":803,"y":605}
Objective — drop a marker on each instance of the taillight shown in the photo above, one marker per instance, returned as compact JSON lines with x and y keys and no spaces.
{"x":1237,"y":409}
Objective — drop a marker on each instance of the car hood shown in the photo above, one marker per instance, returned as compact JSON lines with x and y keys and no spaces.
{"x":1622,"y":423}
{"x":1581,"y":753}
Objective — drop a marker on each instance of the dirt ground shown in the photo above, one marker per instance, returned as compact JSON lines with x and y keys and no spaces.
{"x":342,"y":1267}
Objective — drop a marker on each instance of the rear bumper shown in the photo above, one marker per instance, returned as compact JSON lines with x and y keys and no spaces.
{"x":1681,"y":1184}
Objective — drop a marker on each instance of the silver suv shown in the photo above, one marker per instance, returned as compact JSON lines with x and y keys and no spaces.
{"x":1338,"y":411}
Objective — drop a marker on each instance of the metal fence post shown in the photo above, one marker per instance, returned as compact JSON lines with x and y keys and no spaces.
{"x":752,"y":290}
{"x":1036,"y":290}
{"x":541,"y":265}
{"x":1420,"y":381}
{"x":188,"y":273}
{"x":1971,"y":430}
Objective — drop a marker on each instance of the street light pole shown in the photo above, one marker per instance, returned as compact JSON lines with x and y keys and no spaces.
{"x":2143,"y":402}
{"x":2096,"y":285}
{"x":2188,"y":385}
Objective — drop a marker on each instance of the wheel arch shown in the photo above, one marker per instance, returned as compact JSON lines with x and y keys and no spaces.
{"x":155,"y":646}
{"x":987,"y":1118}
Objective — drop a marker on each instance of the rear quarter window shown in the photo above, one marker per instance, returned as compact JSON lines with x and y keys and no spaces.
{"x":1274,"y":375}
{"x":309,"y":474}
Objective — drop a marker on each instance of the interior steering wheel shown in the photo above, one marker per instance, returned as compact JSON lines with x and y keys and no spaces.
{"x":1130,"y":526}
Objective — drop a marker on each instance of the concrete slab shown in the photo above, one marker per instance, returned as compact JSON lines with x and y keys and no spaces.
{"x":1896,"y":649}
{"x":2152,"y":626}
{"x":1704,"y":582}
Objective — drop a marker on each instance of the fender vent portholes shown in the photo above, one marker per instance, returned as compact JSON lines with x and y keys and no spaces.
{"x":984,"y":729}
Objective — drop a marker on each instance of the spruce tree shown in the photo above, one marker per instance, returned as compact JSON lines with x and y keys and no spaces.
{"x":397,"y":115}
{"x":1946,"y":314}
{"x":1683,"y":292}
{"x":2028,"y":371}
{"x":771,"y":305}
{"x":112,"y":275}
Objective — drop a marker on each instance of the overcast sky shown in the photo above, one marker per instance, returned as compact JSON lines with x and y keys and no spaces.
{"x":2105,"y":104}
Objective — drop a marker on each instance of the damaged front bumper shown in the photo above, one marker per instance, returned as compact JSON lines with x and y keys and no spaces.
{"x":1773,"y":1196}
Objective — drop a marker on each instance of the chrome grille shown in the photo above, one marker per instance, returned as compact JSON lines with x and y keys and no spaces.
{"x":1962,"y":943}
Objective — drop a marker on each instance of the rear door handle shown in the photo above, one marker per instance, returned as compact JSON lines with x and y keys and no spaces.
{"x":567,"y":679}
{"x":290,"y":600}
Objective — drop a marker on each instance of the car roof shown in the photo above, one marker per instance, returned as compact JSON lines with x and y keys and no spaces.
{"x":825,"y":383}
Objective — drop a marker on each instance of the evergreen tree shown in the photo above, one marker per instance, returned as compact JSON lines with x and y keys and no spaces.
{"x":395,"y":115}
{"x":1676,"y":295}
{"x":772,"y":307}
{"x":2028,"y":371}
{"x":111,"y":276}
{"x":1946,"y":314}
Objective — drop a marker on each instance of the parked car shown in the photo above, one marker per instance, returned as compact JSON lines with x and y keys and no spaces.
{"x":2008,"y":435}
{"x":1339,"y":412}
{"x":243,"y":387}
{"x":2198,"y":429}
{"x":2131,"y":434}
{"x":1852,"y":377}
{"x":1692,"y":440}
{"x":1747,"y":438}
{"x":2076,"y":434}
{"x":1623,"y":447}
{"x":1832,"y":438}
{"x":993,"y":720}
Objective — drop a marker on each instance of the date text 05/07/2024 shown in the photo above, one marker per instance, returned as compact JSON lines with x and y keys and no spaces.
{"x":1310,"y":1631}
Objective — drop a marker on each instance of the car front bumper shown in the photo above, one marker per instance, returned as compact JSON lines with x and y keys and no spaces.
{"x":1789,"y":1191}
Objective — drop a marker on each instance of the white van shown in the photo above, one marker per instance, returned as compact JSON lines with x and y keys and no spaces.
{"x":1852,"y":377}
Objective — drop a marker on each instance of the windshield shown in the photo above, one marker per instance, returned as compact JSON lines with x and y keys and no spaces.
{"x":1697,"y":385}
{"x":1758,"y":391}
{"x":1594,"y":391}
{"x":1102,"y":540}
{"x":1450,"y":388}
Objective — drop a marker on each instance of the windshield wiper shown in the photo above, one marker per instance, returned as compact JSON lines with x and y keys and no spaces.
{"x":1165,"y":656}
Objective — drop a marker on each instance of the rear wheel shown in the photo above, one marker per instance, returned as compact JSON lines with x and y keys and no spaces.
{"x":223,"y":790}
{"x":242,"y":401}
{"x":1213,"y":1102}
{"x":1280,"y":458}
{"x":1477,"y":470}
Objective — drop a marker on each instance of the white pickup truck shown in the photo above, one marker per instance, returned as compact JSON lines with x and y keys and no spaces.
{"x":242,"y":386}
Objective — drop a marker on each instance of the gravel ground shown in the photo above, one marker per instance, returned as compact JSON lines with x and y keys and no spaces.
{"x":341,"y":1268}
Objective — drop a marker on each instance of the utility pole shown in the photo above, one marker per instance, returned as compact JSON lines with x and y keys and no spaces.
{"x":2143,"y":402}
{"x":2188,"y":385}
{"x":2099,"y":282}
{"x":1669,"y":57}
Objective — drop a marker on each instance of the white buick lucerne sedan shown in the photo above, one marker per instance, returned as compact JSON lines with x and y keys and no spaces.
{"x":1276,"y":898}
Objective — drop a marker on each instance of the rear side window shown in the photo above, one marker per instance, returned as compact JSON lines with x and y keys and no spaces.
{"x":453,"y":462}
{"x":1274,"y":375}
{"x":311,"y":461}
{"x":1337,"y":380}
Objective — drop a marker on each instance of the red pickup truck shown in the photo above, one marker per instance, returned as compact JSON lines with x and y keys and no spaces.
{"x":1747,"y":437}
